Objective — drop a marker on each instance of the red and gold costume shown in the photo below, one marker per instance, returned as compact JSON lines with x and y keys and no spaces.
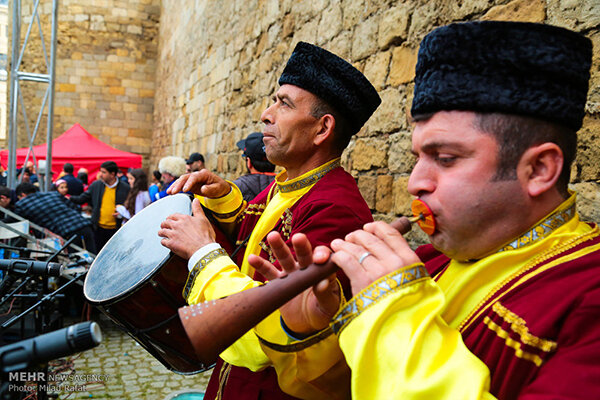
{"x":519,"y":323}
{"x":324,"y":204}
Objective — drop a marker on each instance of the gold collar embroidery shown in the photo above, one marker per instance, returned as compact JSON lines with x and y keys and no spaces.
{"x":308,"y":179}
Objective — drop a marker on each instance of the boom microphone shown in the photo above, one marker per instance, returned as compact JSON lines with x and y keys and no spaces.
{"x":30,"y":267}
{"x":63,"y":342}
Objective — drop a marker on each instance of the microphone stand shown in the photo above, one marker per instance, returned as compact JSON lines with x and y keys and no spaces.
{"x":44,"y":299}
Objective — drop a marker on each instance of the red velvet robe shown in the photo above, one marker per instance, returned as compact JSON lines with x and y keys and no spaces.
{"x":553,"y":321}
{"x":332,"y":208}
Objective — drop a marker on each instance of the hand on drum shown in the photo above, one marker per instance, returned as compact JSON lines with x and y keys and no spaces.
{"x":185,"y":234}
{"x":367,"y":255}
{"x":203,"y":183}
{"x":313,"y":309}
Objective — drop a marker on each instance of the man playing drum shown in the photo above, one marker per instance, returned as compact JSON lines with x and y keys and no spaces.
{"x":321,"y":103}
{"x":505,"y":304}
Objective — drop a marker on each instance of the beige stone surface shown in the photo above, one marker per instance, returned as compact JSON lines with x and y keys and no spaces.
{"x":165,"y":77}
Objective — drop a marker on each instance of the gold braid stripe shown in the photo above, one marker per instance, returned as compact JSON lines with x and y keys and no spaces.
{"x":286,"y":224}
{"x":485,"y":303}
{"x":377,"y":291}
{"x":519,"y":326}
{"x":537,"y":360}
{"x":213,"y":255}
{"x":286,"y":187}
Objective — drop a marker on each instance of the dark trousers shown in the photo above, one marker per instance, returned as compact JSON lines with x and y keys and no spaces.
{"x":85,"y":238}
{"x":102,"y":236}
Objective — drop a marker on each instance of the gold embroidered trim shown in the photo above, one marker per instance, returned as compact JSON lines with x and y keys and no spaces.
{"x":251,"y":209}
{"x":543,"y":229}
{"x":519,"y":326}
{"x":223,"y":378}
{"x":377,"y":291}
{"x":297,"y":346}
{"x":265,"y":246}
{"x":550,"y":253}
{"x":213,"y":255}
{"x":286,"y":187}
{"x":286,"y":224}
{"x":537,"y":360}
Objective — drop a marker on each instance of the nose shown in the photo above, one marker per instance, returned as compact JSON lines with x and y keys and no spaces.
{"x":267,"y":115}
{"x":422,"y":179}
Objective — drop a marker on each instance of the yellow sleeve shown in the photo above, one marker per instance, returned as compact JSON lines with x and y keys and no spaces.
{"x":395,"y":342}
{"x":216,"y":276}
{"x":225,"y":208}
{"x":312,"y":368}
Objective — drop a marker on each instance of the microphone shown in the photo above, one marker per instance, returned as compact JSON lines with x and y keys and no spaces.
{"x":63,"y":342}
{"x":31,"y":267}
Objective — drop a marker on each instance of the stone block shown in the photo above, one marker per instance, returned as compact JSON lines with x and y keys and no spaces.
{"x":364,"y":41}
{"x":376,"y":69}
{"x":588,"y":152}
{"x":401,"y":159}
{"x":402,"y":68}
{"x":384,"y":198}
{"x":588,"y":200}
{"x":518,"y":10}
{"x":367,"y":186}
{"x":330,"y":23}
{"x":393,"y":28}
{"x":369,"y":153}
{"x":352,"y":12}
{"x":389,"y":116}
{"x":66,"y":87}
{"x":402,"y":199}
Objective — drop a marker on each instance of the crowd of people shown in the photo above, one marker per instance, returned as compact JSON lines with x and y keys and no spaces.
{"x":94,"y":212}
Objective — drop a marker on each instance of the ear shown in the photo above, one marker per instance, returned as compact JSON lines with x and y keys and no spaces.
{"x":326,"y":127}
{"x":540,"y":167}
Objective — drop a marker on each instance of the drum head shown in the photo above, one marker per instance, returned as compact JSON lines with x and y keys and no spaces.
{"x":134,"y":252}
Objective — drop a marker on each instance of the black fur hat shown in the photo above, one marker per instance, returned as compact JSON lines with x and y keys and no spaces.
{"x":529,"y":69}
{"x":334,"y":80}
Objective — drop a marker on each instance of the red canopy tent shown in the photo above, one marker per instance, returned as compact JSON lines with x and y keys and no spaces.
{"x":81,"y":149}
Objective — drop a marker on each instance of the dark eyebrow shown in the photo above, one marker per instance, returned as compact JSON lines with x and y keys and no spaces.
{"x":285,"y":97}
{"x":433,"y":146}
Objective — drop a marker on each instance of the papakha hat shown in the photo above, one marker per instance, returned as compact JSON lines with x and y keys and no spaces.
{"x":521,"y":68}
{"x":334,"y":80}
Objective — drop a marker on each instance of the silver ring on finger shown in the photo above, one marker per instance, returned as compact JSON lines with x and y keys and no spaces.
{"x":363,"y":256}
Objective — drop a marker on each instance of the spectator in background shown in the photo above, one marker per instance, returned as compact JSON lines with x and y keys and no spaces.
{"x":103,"y":195}
{"x":82,"y":175}
{"x":61,"y":186}
{"x":24,"y":175}
{"x":260,"y":170}
{"x":156,"y":185}
{"x":171,"y":168}
{"x":3,"y":176}
{"x":6,"y":198}
{"x":121,"y":176}
{"x":75,"y":185}
{"x":54,"y":212}
{"x":138,"y":196}
{"x":32,"y":170}
{"x":195,"y":162}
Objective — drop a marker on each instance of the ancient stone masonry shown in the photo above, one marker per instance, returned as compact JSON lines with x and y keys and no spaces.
{"x":218,"y":64}
{"x":105,"y":69}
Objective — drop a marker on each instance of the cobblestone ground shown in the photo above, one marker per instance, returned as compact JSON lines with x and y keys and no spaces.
{"x":126,"y":371}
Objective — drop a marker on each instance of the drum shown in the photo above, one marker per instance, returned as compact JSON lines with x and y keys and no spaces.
{"x":138,"y":284}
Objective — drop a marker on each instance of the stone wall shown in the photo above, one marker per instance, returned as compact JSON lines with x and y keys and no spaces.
{"x":218,"y":64}
{"x":105,"y":70}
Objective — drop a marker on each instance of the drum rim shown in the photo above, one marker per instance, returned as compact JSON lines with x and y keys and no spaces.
{"x":145,"y":278}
